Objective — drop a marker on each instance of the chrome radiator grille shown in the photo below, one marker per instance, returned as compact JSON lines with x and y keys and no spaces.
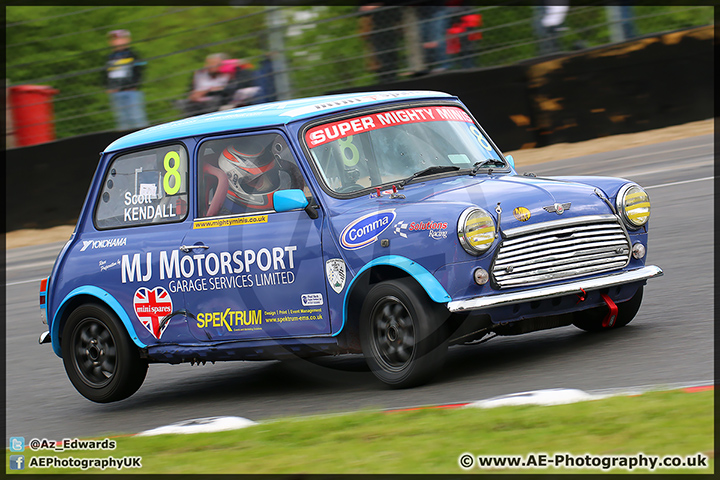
{"x":560,"y":249}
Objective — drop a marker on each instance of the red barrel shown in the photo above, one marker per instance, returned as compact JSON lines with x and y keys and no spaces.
{"x":32,"y":113}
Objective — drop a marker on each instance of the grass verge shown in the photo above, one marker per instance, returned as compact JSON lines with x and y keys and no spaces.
{"x":431,"y":441}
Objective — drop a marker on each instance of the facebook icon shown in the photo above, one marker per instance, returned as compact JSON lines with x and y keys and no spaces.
{"x":17,"y":462}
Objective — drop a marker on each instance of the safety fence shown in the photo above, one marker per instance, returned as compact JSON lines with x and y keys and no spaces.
{"x":295,"y":51}
{"x":568,"y":98}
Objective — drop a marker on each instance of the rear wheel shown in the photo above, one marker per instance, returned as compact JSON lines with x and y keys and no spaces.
{"x":401,"y":333}
{"x":591,"y":320}
{"x":101,"y":361}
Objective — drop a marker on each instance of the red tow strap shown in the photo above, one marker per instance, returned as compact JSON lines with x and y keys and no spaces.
{"x":581,"y":296}
{"x":610,"y":318}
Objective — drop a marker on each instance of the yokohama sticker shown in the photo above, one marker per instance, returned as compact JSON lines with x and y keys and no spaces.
{"x":366,"y":229}
{"x":106,"y":243}
{"x":335,"y":271}
{"x":151,"y":306}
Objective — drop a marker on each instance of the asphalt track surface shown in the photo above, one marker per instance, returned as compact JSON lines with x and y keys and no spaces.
{"x":669,"y":342}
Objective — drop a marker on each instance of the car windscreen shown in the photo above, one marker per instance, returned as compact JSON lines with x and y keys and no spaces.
{"x":386,"y":147}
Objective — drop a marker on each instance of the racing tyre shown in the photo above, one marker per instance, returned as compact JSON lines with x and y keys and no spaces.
{"x":101,"y":361}
{"x":402,"y":333}
{"x":591,"y":320}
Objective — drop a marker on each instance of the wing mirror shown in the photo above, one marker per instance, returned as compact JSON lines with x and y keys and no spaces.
{"x":292,"y":199}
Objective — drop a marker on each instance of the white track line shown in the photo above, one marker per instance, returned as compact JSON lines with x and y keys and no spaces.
{"x":25,"y":281}
{"x":678,"y":183}
{"x":648,"y":154}
{"x":685,"y":166}
{"x":33,"y":250}
{"x":31,"y":265}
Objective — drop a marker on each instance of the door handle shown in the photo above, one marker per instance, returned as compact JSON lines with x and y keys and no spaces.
{"x":186,"y":249}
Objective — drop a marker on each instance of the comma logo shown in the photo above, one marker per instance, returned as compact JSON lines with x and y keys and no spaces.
{"x":366,"y":229}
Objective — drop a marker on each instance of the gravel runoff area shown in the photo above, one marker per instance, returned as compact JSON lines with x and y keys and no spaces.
{"x":560,"y":151}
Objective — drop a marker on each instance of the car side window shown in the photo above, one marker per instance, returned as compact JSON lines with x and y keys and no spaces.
{"x":239,"y":175}
{"x":144,"y":187}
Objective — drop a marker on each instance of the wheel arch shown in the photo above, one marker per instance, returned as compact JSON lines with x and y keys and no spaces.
{"x":83,"y":295}
{"x":388,"y":267}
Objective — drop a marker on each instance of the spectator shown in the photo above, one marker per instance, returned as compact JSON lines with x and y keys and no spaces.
{"x":549,"y":21}
{"x":241,"y":88}
{"x":222,"y":84}
{"x":433,"y":25}
{"x":122,"y":80}
{"x":463,"y":34}
{"x":384,"y":37}
{"x":265,"y":78}
{"x":207,"y":90}
{"x":627,"y":16}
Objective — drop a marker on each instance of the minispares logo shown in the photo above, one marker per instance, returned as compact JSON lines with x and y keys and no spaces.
{"x":365,"y":230}
{"x":151,"y":307}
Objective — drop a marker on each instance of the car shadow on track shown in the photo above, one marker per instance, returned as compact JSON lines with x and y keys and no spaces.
{"x":307,"y":379}
{"x":558,"y":350}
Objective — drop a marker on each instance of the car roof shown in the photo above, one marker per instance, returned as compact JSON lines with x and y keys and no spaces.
{"x":265,"y":114}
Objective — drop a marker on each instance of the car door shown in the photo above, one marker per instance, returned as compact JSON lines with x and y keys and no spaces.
{"x":247,"y":271}
{"x":140,"y":215}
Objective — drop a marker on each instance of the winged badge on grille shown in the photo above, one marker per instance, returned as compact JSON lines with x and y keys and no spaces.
{"x":558,"y":208}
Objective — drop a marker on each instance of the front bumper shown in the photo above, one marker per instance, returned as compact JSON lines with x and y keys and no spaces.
{"x":596,"y":283}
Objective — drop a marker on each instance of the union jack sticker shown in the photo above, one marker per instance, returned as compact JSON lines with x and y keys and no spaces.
{"x":151,"y":306}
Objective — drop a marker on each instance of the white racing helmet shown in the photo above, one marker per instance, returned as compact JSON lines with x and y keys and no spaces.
{"x":252,"y":173}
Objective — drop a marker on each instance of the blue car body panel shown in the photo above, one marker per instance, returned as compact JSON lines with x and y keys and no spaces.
{"x":237,"y":287}
{"x":264,"y":115}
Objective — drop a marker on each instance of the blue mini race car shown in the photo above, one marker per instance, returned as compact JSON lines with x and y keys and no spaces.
{"x":387,"y":224}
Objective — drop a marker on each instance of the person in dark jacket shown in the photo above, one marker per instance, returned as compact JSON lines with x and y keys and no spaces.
{"x":123,"y":73}
{"x":385,"y":34}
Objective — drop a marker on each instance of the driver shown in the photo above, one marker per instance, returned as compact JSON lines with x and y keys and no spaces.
{"x":255,"y":171}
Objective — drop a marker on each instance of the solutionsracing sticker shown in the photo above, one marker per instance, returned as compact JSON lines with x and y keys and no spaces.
{"x":366,"y":229}
{"x":151,"y":306}
{"x":436,"y":230}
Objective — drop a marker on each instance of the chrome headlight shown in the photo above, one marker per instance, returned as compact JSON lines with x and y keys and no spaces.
{"x":633,"y":204}
{"x":476,"y":230}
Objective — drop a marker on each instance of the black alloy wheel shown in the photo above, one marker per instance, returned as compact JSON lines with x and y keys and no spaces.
{"x":101,"y":361}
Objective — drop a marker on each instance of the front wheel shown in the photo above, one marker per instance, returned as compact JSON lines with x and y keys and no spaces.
{"x":401,"y":333}
{"x":591,"y":320}
{"x":100,"y":359}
